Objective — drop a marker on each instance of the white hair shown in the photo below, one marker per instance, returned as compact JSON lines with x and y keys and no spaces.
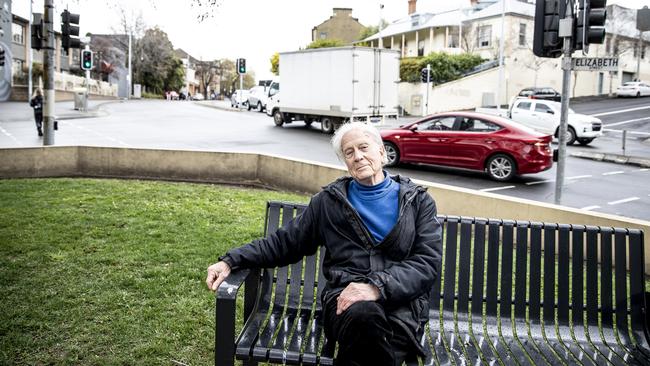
{"x":367,"y":129}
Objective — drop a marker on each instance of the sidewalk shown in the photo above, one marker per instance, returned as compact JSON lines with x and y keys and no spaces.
{"x":219,"y":104}
{"x":21,"y":111}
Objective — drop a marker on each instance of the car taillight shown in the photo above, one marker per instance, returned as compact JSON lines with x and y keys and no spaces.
{"x":543,"y":148}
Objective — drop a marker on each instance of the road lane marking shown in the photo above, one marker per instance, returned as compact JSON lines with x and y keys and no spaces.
{"x":580,"y":176}
{"x":623,"y":200}
{"x":589,"y":208}
{"x":619,"y":111}
{"x":624,"y":122}
{"x":616,"y":172}
{"x":540,"y":182}
{"x":10,"y":136}
{"x":644,"y":169}
{"x":495,"y":188}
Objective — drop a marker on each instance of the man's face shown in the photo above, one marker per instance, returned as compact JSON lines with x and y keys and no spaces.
{"x":363,"y":157}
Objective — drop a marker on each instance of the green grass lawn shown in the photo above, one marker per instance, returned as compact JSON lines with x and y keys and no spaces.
{"x":113,"y":272}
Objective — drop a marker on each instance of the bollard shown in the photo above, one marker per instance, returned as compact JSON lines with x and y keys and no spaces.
{"x":623,"y":142}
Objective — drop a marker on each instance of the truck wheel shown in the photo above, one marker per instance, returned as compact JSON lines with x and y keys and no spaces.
{"x":277,"y":118}
{"x":327,"y":125}
{"x":392,"y":153}
{"x":308,"y":122}
{"x":501,"y":167}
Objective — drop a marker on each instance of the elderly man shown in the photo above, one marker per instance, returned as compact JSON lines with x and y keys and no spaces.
{"x":383,"y":253}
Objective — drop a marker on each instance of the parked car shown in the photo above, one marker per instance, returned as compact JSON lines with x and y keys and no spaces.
{"x":257,"y":98}
{"x":496,"y":145}
{"x":239,"y":98}
{"x":544,"y":116}
{"x":198,"y":96}
{"x":540,"y":93}
{"x":633,"y":89}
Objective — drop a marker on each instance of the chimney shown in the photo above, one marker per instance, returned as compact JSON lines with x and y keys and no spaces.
{"x":412,"y":6}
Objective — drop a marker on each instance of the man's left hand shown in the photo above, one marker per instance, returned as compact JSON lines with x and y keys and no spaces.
{"x":354,"y":292}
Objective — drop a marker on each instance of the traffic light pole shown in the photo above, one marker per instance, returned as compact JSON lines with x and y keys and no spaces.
{"x":48,"y":61}
{"x":566,"y":83}
{"x":426,"y":103}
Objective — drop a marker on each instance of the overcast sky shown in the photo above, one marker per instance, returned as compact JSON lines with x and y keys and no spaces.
{"x":253,"y":29}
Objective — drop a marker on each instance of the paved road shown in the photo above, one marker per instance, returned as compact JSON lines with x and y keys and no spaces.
{"x":596,"y":186}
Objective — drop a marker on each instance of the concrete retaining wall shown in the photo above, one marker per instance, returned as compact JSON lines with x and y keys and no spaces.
{"x":276,"y":172}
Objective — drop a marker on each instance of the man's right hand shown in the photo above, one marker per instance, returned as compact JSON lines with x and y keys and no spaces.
{"x":216,"y":274}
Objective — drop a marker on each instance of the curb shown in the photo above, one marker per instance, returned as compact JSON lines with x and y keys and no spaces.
{"x":210,"y":105}
{"x":614,"y":158}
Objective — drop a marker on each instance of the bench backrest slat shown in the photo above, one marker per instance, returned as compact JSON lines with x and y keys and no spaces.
{"x":592,"y":276}
{"x":506,"y":269}
{"x":464,"y":265}
{"x":637,"y":284}
{"x":549,"y":273}
{"x":450,"y":264}
{"x":521,"y":269}
{"x":620,"y":282}
{"x":577,"y":278}
{"x":491,"y":284}
{"x":563,"y":274}
{"x":478,"y":273}
{"x":434,"y":297}
{"x":535,"y":273}
{"x":607,"y":307}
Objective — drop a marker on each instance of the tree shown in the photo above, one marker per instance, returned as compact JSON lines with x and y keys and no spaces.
{"x":206,"y":72}
{"x":154,"y":61}
{"x":369,"y":31}
{"x":325,"y":43}
{"x":275,"y":64}
{"x":444,"y":67}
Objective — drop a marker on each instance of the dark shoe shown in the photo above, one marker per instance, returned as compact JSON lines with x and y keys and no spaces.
{"x":40,"y":132}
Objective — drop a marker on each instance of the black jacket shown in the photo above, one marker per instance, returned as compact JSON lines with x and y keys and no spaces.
{"x":403,"y":266}
{"x":37,"y":104}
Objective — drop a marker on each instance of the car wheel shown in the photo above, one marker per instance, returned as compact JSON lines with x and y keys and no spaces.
{"x":392,"y":153}
{"x":327,"y":125}
{"x":638,"y":94}
{"x":570,"y":136}
{"x":249,"y":107}
{"x":259,"y":106}
{"x":585,"y":142}
{"x":277,"y":118}
{"x":501,"y":167}
{"x":308,"y":122}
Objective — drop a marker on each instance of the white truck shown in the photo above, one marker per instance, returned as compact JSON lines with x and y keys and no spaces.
{"x":331,"y":86}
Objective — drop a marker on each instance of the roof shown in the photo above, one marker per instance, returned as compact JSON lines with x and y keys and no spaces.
{"x":484,"y":9}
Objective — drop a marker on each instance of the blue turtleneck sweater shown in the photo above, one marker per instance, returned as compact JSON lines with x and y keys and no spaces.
{"x":377,"y":205}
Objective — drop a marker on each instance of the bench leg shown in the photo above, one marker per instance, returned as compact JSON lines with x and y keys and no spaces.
{"x":224,"y":335}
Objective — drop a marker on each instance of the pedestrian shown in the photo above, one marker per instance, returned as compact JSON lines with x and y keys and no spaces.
{"x":36,"y":102}
{"x":384,"y":248}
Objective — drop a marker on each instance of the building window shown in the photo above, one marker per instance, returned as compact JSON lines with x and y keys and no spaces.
{"x":323,"y":35}
{"x":483,"y":36}
{"x":420,"y":48}
{"x":18,"y":33}
{"x":452,"y":41}
{"x":522,"y":35}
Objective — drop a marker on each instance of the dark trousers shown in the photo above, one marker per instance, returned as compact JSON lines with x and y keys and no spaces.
{"x":38,"y":118}
{"x":365,"y":335}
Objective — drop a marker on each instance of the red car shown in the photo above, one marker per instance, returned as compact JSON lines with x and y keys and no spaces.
{"x":496,"y":145}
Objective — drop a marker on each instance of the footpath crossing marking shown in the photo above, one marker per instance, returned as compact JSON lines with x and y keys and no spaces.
{"x":623,"y":201}
{"x":589,"y":208}
{"x":495,"y":188}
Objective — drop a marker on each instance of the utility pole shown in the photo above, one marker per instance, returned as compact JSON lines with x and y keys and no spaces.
{"x":501,"y":42}
{"x":30,"y":86}
{"x":130,"y":75}
{"x":426,"y":104}
{"x":48,"y":68}
{"x":565,"y":32}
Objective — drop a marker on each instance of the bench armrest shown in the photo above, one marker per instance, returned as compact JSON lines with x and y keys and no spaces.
{"x":224,"y":335}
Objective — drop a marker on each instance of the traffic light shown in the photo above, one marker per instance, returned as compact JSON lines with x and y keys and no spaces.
{"x":2,"y":56}
{"x":590,"y":23}
{"x":425,"y":76}
{"x":70,"y":30}
{"x":241,"y":65}
{"x":546,"y":41}
{"x":86,"y":59}
{"x":37,"y":32}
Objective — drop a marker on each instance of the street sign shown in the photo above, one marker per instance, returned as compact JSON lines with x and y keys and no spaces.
{"x":594,"y":64}
{"x":643,"y":19}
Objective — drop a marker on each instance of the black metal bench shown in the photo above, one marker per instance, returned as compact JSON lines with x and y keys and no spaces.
{"x":510,"y":293}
